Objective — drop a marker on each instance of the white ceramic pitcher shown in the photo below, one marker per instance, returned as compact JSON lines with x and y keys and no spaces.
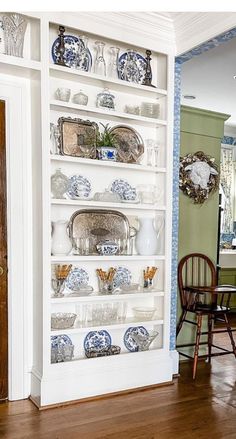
{"x":61,"y":243}
{"x":147,"y":237}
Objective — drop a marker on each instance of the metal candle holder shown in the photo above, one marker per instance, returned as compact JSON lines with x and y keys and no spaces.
{"x":148,"y":74}
{"x":61,"y":47}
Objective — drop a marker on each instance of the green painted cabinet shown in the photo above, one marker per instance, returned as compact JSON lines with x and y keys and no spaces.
{"x":201,"y":130}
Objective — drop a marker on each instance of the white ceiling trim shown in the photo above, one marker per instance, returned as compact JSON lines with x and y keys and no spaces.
{"x":194,"y":28}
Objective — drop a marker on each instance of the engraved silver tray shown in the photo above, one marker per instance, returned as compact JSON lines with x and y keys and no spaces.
{"x":98,"y":225}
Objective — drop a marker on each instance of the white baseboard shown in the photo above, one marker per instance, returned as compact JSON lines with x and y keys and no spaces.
{"x":175,"y":359}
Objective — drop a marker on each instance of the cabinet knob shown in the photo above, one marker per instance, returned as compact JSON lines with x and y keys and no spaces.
{"x":1,"y":270}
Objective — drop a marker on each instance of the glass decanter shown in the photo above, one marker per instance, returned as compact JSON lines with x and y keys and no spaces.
{"x":59,"y":184}
{"x":100,"y":64}
{"x":14,"y":26}
{"x":113,"y":64}
{"x":150,"y":152}
{"x":131,"y":70}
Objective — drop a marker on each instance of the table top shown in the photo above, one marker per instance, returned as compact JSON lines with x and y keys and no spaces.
{"x":217,"y":289}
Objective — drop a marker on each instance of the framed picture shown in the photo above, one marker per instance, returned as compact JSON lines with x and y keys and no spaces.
{"x":77,"y":137}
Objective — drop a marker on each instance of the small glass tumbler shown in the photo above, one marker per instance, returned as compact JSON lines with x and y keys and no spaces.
{"x":105,"y":286}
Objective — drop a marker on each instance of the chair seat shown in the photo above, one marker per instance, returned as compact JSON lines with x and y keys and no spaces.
{"x":207,"y":309}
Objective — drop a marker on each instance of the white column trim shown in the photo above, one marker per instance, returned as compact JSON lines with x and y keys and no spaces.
{"x":15,"y":92}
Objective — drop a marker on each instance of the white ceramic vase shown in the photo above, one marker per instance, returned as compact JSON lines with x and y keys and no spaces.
{"x":61,"y":243}
{"x":147,"y":237}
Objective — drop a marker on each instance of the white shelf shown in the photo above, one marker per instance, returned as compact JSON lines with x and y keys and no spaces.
{"x":110,"y":114}
{"x":84,"y":259}
{"x":110,"y":297}
{"x":92,"y":78}
{"x":152,"y":353}
{"x":100,"y":204}
{"x":15,"y":65}
{"x":128,"y":322}
{"x":109,"y":164}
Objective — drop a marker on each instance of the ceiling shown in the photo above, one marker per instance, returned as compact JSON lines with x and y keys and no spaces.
{"x":209,"y":77}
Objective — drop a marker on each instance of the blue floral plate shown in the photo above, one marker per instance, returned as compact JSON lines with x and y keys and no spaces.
{"x":122,"y":277}
{"x":76,"y":278}
{"x":59,"y":340}
{"x":71,"y":47}
{"x":79,"y":187}
{"x":132,"y":71}
{"x":129,"y":342}
{"x":97,"y":340}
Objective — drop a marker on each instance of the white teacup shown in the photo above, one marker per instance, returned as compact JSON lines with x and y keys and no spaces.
{"x":63,"y":94}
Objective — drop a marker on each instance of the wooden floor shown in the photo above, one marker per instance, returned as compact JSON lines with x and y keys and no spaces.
{"x":205,"y":408}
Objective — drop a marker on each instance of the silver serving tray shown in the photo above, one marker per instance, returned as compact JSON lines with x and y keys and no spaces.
{"x":128,"y":142}
{"x":97,"y":225}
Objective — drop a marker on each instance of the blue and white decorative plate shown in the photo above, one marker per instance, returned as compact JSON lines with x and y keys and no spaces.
{"x":76,"y":278}
{"x":72,"y":44}
{"x":60,"y":340}
{"x":79,"y":187}
{"x":134,"y":70}
{"x":97,"y":340}
{"x":122,"y":277}
{"x":124,"y":190}
{"x":129,"y":342}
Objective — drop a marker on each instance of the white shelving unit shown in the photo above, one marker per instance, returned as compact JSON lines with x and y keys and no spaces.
{"x":81,"y":377}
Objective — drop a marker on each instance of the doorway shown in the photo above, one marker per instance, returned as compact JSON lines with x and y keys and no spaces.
{"x":3,"y":261}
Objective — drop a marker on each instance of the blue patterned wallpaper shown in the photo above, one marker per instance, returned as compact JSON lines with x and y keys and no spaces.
{"x":220,"y":39}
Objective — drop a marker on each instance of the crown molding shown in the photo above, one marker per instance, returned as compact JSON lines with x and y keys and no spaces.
{"x":141,"y":29}
{"x":194,"y":28}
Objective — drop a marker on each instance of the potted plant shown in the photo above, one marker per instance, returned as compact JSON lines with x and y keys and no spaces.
{"x":106,"y":147}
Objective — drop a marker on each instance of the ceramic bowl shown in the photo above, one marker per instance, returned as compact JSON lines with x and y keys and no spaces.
{"x":144,"y":312}
{"x":107,"y":247}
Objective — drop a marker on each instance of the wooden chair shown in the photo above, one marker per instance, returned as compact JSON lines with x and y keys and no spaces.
{"x":201,"y":297}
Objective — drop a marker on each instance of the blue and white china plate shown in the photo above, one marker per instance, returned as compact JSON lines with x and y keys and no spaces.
{"x":129,"y":342}
{"x":71,"y":46}
{"x":79,"y":187}
{"x":97,"y":340}
{"x":124,"y":190}
{"x":60,"y":340}
{"x":122,"y":277}
{"x":141,"y":68}
{"x":76,"y":278}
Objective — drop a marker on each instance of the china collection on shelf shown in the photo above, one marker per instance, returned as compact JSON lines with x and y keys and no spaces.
{"x":131,"y":66}
{"x":97,"y":231}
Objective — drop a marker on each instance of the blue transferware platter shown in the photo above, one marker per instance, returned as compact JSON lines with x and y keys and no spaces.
{"x":59,"y":340}
{"x":97,"y":340}
{"x":76,"y":278}
{"x":122,"y":277}
{"x":79,"y":187}
{"x":124,"y":190}
{"x":71,"y":46}
{"x":129,"y":342}
{"x":140,"y":69}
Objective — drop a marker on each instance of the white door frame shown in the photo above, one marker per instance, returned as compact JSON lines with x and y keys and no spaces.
{"x":16,"y":94}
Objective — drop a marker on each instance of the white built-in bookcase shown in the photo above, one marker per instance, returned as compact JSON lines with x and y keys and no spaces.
{"x":82,"y":377}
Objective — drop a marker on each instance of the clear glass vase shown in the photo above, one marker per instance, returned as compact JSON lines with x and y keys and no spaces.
{"x":14,"y":26}
{"x":83,"y":58}
{"x":100,"y":64}
{"x":113,"y":64}
{"x":59,"y":184}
